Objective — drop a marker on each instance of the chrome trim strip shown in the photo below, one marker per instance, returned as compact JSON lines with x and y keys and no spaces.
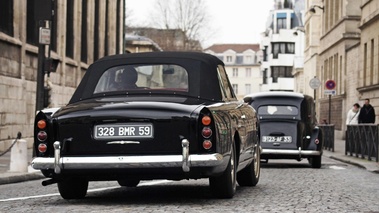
{"x":121,"y":162}
{"x":290,"y":152}
{"x":185,"y":154}
{"x":123,"y":142}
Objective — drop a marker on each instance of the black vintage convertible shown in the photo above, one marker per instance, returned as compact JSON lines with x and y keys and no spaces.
{"x":288,"y":126}
{"x":144,"y":116}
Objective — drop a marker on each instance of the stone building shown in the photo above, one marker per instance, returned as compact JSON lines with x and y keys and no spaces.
{"x":342,"y":45}
{"x":242,"y":66}
{"x":81,"y":32}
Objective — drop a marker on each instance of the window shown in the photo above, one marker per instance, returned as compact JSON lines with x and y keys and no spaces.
{"x":84,"y":50}
{"x":248,"y":59}
{"x":248,"y":72}
{"x":6,"y":20}
{"x":235,"y":72}
{"x":281,"y":23}
{"x":282,"y":48}
{"x":70,"y":29}
{"x":39,"y":10}
{"x":278,"y":110}
{"x":264,"y":74}
{"x":265,"y":53}
{"x":247,"y":88}
{"x":280,"y":72}
{"x":229,"y":59}
{"x":96,"y":53}
{"x":235,"y":88}
{"x":167,"y":77}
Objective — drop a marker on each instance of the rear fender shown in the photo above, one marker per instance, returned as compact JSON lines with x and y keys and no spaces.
{"x":316,"y":136}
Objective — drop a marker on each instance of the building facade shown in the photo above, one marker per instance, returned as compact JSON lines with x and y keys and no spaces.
{"x":242,"y":66}
{"x":283,"y":47}
{"x":343,"y":46}
{"x":81,"y":32}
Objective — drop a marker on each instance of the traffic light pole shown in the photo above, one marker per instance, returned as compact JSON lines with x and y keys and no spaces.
{"x":40,"y":74}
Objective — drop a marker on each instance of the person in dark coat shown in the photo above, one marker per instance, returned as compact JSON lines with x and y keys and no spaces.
{"x":367,"y":113}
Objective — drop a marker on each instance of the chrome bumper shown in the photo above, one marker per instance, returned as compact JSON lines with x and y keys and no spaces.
{"x":185,"y":161}
{"x":291,"y":152}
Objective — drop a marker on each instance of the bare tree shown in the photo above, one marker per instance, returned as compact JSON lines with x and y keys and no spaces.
{"x":189,"y":16}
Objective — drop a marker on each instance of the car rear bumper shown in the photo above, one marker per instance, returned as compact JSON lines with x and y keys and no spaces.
{"x":185,"y":161}
{"x":300,"y":153}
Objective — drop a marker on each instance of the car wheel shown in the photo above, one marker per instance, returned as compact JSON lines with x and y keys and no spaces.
{"x":128,"y":183}
{"x":249,"y":176}
{"x":73,"y":188}
{"x":224,"y":186}
{"x":315,"y":162}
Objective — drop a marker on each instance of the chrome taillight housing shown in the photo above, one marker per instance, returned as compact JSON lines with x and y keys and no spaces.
{"x":206,"y":131}
{"x":42,"y":147}
{"x":41,"y":134}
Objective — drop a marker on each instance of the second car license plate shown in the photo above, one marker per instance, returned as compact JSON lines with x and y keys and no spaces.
{"x":118,"y":131}
{"x":284,"y":139}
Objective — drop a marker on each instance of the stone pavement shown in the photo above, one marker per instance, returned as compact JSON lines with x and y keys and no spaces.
{"x":7,"y":176}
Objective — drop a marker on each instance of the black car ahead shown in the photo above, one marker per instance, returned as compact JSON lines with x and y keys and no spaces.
{"x":288,"y":126}
{"x":143,"y":116}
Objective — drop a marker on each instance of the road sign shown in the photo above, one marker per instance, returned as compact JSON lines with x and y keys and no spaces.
{"x":314,"y":83}
{"x":44,"y":35}
{"x":330,"y":84}
{"x":329,"y":92}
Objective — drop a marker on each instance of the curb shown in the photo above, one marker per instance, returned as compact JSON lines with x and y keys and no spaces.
{"x":19,"y":177}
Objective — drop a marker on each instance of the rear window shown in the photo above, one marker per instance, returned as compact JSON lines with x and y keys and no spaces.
{"x":278,"y":110}
{"x":147,"y":77}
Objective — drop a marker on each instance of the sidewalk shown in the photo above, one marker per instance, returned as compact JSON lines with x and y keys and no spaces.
{"x":7,"y":177}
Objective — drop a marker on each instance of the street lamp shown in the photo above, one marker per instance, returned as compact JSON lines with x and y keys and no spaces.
{"x":301,"y":29}
{"x":312,"y":9}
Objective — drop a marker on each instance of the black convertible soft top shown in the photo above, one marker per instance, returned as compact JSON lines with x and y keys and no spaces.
{"x":201,"y":67}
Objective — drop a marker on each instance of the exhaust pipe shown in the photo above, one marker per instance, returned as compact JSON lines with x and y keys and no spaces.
{"x":49,"y":182}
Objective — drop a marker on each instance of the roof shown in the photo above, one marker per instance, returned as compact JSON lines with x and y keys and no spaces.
{"x":259,"y":95}
{"x":201,"y":68}
{"x":239,"y":48}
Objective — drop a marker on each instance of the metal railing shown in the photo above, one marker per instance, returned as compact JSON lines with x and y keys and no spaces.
{"x":362,"y":141}
{"x":328,"y":133}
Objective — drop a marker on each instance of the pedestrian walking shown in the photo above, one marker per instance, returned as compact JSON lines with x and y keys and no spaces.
{"x":353,"y":114}
{"x":367,"y":113}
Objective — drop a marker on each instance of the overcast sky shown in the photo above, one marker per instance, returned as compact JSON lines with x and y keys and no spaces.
{"x":235,"y":21}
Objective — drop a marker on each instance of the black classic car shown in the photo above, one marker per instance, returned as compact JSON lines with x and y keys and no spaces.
{"x":144,"y":116}
{"x":288,"y":126}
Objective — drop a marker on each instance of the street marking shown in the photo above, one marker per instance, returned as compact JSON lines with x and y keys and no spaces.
{"x":150,"y":183}
{"x":336,"y":167}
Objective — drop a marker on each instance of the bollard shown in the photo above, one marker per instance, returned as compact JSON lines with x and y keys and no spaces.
{"x":19,"y":157}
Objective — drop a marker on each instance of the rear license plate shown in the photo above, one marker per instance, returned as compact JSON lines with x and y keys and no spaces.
{"x":118,"y":131}
{"x":284,"y":139}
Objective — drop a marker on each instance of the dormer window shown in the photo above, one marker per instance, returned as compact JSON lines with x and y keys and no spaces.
{"x":229,"y":59}
{"x":248,"y":59}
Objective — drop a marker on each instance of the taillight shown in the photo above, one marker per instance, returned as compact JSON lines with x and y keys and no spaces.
{"x":207,"y":144}
{"x":206,"y":120}
{"x":41,"y":124}
{"x":206,"y":132}
{"x":42,"y":136}
{"x":42,"y":147}
{"x":317,"y":141}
